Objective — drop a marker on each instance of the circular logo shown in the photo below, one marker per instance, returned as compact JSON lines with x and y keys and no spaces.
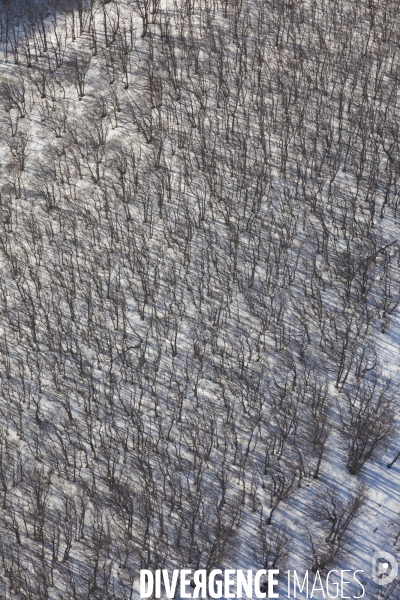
{"x":384,"y":568}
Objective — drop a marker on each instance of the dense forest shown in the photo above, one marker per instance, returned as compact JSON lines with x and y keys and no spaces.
{"x":199,"y":290}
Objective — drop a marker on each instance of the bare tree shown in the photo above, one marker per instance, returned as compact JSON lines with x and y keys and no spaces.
{"x":367,"y":420}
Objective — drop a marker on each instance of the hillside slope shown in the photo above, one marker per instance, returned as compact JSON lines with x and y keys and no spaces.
{"x":199,"y":290}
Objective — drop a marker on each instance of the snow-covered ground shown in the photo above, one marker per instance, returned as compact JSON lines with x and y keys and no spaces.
{"x":198,"y":291}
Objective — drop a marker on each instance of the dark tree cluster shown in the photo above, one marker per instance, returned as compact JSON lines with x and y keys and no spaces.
{"x":199,"y":209}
